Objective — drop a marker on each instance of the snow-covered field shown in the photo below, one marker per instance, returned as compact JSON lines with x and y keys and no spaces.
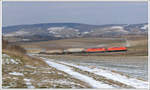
{"x":89,"y":80}
{"x":65,"y":74}
{"x":17,"y":74}
{"x":127,"y":80}
{"x":114,"y":76}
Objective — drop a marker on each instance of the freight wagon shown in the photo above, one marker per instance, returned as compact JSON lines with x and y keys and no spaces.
{"x":94,"y":50}
{"x":88,"y":50}
{"x":55,"y":52}
{"x":74,"y":50}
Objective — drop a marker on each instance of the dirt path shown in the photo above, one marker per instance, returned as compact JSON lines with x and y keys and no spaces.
{"x":93,"y":83}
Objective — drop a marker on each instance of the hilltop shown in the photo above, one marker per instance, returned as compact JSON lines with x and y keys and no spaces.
{"x":55,"y":31}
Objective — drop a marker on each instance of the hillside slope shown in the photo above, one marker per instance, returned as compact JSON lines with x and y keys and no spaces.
{"x":53,"y":31}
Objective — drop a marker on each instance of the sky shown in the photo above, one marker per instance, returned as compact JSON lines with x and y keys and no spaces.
{"x":95,"y":13}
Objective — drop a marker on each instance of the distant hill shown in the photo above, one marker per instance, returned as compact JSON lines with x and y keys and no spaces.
{"x":50,"y":31}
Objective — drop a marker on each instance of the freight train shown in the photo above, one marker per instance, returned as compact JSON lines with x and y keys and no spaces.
{"x":110,"y":49}
{"x":88,"y":50}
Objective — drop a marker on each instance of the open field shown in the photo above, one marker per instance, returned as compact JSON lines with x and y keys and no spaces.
{"x":124,"y":64}
{"x":137,"y":45}
{"x":75,"y":45}
{"x":23,"y":71}
{"x":80,"y":70}
{"x":133,"y":67}
{"x":20,"y":70}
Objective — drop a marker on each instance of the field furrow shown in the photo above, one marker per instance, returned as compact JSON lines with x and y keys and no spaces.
{"x":77,"y":75}
{"x":107,"y":77}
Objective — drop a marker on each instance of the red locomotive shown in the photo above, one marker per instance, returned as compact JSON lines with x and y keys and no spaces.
{"x":111,"y":49}
{"x":95,"y":50}
{"x":117,"y":49}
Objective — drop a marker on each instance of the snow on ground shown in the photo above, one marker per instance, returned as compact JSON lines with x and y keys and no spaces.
{"x":5,"y":87}
{"x":13,"y":61}
{"x":28,"y":83}
{"x":144,"y":27}
{"x":61,"y":82}
{"x":84,"y":78}
{"x":17,"y":33}
{"x":8,"y":60}
{"x":117,"y":27}
{"x":114,"y":76}
{"x":29,"y":66}
{"x":16,"y":73}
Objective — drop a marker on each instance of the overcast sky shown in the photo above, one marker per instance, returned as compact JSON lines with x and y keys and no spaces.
{"x":17,"y":13}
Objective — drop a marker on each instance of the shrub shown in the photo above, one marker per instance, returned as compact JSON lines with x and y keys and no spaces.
{"x":6,"y":45}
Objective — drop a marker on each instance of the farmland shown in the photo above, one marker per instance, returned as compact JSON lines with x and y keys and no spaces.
{"x":137,"y":45}
{"x":74,"y":46}
{"x":34,"y":70}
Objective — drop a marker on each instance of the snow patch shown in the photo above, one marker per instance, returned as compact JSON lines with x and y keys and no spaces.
{"x":28,"y":83}
{"x":60,"y":81}
{"x":84,"y":78}
{"x":114,"y":76}
{"x":8,"y":60}
{"x":117,"y":27}
{"x":86,"y":32}
{"x":13,"y":61}
{"x":56,"y":28}
{"x":144,"y":27}
{"x":29,"y":66}
{"x":16,"y":73}
{"x":17,"y":33}
{"x":62,"y":31}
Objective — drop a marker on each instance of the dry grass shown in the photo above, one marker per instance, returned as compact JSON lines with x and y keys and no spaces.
{"x":69,"y":43}
{"x":18,"y":52}
{"x":33,"y":50}
{"x":40,"y":74}
{"x":27,"y":60}
{"x":138,"y":45}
